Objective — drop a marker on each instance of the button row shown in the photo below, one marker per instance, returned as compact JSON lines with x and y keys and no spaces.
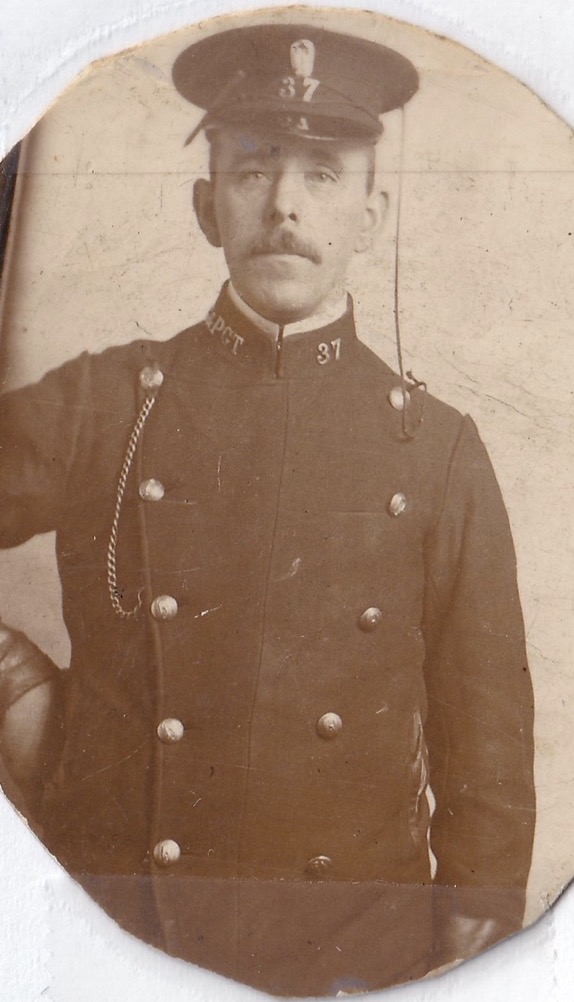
{"x":166,"y":607}
{"x":167,"y":852}
{"x":151,"y":378}
{"x":154,"y":490}
{"x":171,"y":730}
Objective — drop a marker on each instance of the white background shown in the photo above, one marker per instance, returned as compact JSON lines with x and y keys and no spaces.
{"x":54,"y":943}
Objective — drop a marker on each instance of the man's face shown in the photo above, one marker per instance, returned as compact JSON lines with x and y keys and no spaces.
{"x":289,"y":213}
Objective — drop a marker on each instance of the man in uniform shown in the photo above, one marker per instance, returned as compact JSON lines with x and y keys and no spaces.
{"x":288,"y":579}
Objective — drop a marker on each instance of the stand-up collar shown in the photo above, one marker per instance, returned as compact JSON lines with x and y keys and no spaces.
{"x":321,"y":349}
{"x":313,"y":323}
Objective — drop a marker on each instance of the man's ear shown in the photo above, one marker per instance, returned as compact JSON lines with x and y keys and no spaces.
{"x":373,"y":218}
{"x":204,"y":206}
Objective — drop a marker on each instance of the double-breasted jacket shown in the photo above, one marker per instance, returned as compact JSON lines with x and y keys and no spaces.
{"x":327,"y":628}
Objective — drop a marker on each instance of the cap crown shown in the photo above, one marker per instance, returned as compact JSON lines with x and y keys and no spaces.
{"x":296,"y":79}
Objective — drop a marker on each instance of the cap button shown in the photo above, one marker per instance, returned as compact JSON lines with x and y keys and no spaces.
{"x":151,"y":377}
{"x":166,"y":852}
{"x":329,"y":725}
{"x":151,"y":490}
{"x":170,"y":730}
{"x":317,"y":866}
{"x":397,"y":504}
{"x":164,"y":607}
{"x":397,"y":396}
{"x":370,"y":619}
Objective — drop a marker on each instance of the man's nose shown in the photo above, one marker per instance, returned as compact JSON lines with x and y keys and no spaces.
{"x":285,"y":196}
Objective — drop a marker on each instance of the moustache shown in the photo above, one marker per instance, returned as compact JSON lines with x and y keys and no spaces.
{"x":286,"y":243}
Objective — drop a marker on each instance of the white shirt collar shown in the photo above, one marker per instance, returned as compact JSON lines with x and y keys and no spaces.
{"x":312,"y":323}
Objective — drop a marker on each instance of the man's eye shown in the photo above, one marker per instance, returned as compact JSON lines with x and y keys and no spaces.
{"x":252,"y":176}
{"x":322,"y":177}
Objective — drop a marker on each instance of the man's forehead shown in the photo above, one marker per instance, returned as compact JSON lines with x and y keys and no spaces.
{"x":246,"y":143}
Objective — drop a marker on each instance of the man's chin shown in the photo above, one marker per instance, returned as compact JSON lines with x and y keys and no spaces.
{"x":281,"y":302}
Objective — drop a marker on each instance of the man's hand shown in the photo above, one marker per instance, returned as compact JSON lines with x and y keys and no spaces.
{"x":464,"y":937}
{"x":469,"y":920}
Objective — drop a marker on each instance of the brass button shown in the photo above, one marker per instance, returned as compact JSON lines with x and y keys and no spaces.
{"x":170,"y":730}
{"x":396,"y":397}
{"x":329,"y":725}
{"x":370,"y":619}
{"x":318,"y":866}
{"x":151,"y":377}
{"x":397,"y":504}
{"x":166,"y":852}
{"x":164,"y":607}
{"x":151,"y":490}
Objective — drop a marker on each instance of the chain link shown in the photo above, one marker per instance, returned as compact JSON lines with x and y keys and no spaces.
{"x":113,"y":590}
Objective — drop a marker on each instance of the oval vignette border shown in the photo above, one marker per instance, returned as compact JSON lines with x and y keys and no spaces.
{"x":416,"y":349}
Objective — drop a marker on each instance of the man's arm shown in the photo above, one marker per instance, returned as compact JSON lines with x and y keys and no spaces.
{"x":31,"y":718}
{"x":40,"y":426}
{"x":38,"y":435}
{"x":480,"y":716}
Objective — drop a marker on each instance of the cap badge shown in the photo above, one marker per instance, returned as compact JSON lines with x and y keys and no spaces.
{"x":302,"y":56}
{"x":302,"y":85}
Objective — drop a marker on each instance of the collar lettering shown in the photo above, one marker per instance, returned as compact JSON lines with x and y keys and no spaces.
{"x":229,"y":337}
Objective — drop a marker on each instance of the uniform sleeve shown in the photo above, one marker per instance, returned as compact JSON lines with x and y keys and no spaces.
{"x":480,"y":703}
{"x":39,"y":432}
{"x":23,"y":667}
{"x":31,"y":719}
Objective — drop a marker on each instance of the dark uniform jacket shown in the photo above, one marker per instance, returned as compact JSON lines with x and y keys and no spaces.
{"x":329,"y":622}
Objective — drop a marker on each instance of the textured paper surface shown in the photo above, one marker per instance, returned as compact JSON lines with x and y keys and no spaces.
{"x":61,"y":920}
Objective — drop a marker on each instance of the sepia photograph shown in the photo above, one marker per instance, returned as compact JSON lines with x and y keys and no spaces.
{"x":285,"y":497}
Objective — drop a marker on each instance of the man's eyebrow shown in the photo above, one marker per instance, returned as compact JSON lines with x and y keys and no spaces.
{"x":319,"y":157}
{"x":328,"y":158}
{"x":240,"y":158}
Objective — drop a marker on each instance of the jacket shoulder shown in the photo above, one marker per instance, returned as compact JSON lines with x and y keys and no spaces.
{"x":141,"y":352}
{"x":429,"y":421}
{"x":111,"y":375}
